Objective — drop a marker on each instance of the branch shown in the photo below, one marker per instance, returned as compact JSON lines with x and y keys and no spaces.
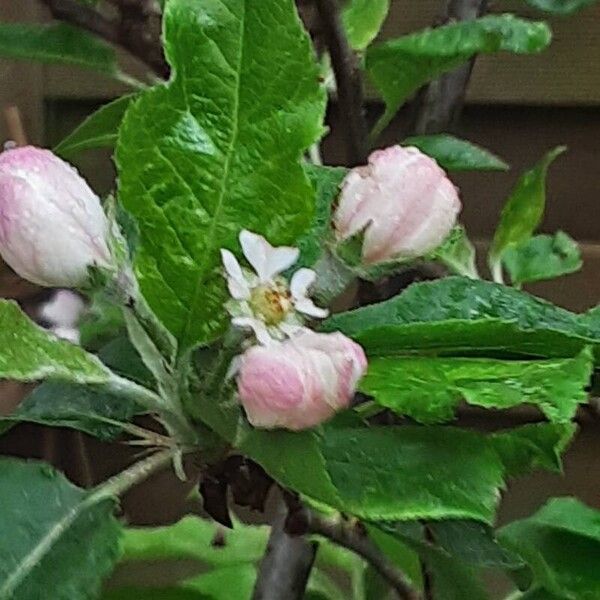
{"x":348,"y":80}
{"x":285,"y":568}
{"x":347,"y":534}
{"x":137,"y":30}
{"x":442,"y":101}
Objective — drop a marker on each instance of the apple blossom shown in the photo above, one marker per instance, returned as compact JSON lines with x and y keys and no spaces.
{"x":263,"y":301}
{"x":300,"y":382}
{"x":61,"y":314}
{"x":402,"y":202}
{"x":52,"y":226}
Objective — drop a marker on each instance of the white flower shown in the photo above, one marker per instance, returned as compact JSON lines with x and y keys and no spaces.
{"x":263,"y":301}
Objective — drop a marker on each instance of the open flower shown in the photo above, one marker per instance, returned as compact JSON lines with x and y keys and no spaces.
{"x":262,"y":300}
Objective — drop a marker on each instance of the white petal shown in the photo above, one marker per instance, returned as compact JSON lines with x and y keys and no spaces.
{"x":301,"y":282}
{"x":234,"y":367}
{"x":266,"y":260}
{"x":308,"y":307}
{"x":257,"y":326}
{"x":292,"y":329}
{"x":236,"y":282}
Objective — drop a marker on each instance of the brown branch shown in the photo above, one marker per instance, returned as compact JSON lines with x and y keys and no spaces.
{"x":137,"y":29}
{"x":348,"y":79}
{"x":442,"y":101}
{"x":349,"y":535}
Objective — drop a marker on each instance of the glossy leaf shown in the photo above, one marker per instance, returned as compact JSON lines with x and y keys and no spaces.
{"x":218,"y":149}
{"x":560,"y":543}
{"x":429,"y":389}
{"x":44,"y":525}
{"x":561,"y":7}
{"x":454,"y":154}
{"x":542,"y":257}
{"x":362,"y":20}
{"x":59,"y":44}
{"x":99,"y":130}
{"x":93,"y":409}
{"x":30,"y":353}
{"x":523,"y":211}
{"x":461,"y":317}
{"x":399,"y":67}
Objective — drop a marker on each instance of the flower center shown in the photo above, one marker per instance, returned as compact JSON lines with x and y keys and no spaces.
{"x":272,"y":302}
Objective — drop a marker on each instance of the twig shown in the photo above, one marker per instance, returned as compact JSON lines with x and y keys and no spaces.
{"x":347,"y":534}
{"x":285,"y":568}
{"x":443,"y":99}
{"x":137,"y":30}
{"x":348,"y":80}
{"x":14,"y":125}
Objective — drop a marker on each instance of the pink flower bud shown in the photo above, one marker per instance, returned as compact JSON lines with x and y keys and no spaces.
{"x":52,"y":226}
{"x":402,"y":200}
{"x":301,"y":382}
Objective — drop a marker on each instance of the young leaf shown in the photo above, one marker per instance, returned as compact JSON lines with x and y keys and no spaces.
{"x":99,"y":130}
{"x":560,"y":7}
{"x":542,"y":257}
{"x":399,"y":67}
{"x":362,"y":20}
{"x":326,"y":181}
{"x":59,"y":520}
{"x":560,"y":543}
{"x":454,"y":154}
{"x":522,"y":212}
{"x":218,"y":149}
{"x":29,"y":353}
{"x":428,"y":389}
{"x":57,"y":43}
{"x":458,"y":316}
{"x":457,"y":253}
{"x":93,"y":409}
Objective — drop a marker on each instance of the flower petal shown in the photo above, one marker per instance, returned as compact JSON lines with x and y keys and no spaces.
{"x":266,"y":260}
{"x":308,"y":307}
{"x":257,"y":326}
{"x":236,"y":282}
{"x":301,"y":281}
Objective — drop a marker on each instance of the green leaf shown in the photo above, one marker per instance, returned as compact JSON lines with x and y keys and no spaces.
{"x":218,"y":149}
{"x":454,"y":154}
{"x":29,"y":353}
{"x":122,"y":358}
{"x":560,"y":7}
{"x":45,"y":523}
{"x":326,"y":182}
{"x":57,"y":43}
{"x":429,"y":389}
{"x":542,"y":257}
{"x":192,"y":539}
{"x":457,"y":253}
{"x":158,"y":593}
{"x":399,"y":67}
{"x":362,"y":20}
{"x":99,"y":130}
{"x":93,"y":409}
{"x":561,"y":544}
{"x":522,"y":212}
{"x":461,"y":317}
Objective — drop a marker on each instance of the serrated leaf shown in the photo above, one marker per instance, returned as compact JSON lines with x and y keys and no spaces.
{"x":523,"y":210}
{"x":96,"y":410}
{"x":99,"y":130}
{"x":461,"y":317}
{"x":399,"y":67}
{"x":30,"y":353}
{"x":362,"y":20}
{"x":457,"y":253}
{"x":542,"y":257}
{"x":57,"y":43}
{"x":218,"y":149}
{"x":44,"y":524}
{"x":454,"y":154}
{"x":560,"y":7}
{"x":560,"y":543}
{"x":429,"y":389}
